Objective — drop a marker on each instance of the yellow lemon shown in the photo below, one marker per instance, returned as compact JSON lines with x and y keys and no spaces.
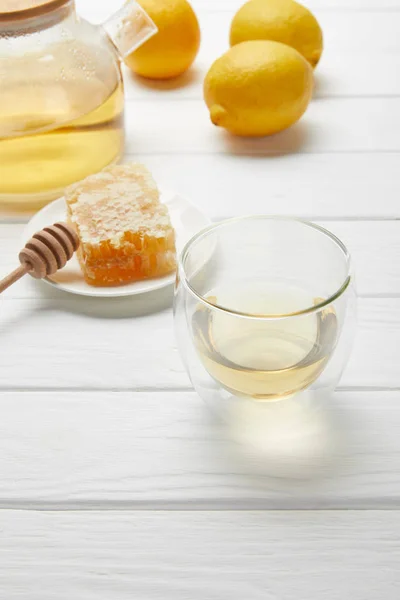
{"x":173,"y":49}
{"x":258,"y":88}
{"x":283,"y":21}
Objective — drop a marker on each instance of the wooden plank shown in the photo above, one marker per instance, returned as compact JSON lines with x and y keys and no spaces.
{"x":340,"y":75}
{"x":350,"y":66}
{"x":75,"y":343}
{"x":176,"y":556}
{"x":374,"y":245}
{"x":110,"y":450}
{"x":330,"y":125}
{"x":311,"y":186}
{"x":63,"y":342}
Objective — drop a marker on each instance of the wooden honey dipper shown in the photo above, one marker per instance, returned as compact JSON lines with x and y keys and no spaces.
{"x":48,"y":251}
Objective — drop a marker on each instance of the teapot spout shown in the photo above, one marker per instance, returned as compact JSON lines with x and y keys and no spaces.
{"x":129,"y":28}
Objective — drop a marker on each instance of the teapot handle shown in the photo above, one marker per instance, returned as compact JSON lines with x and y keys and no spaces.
{"x":129,"y":28}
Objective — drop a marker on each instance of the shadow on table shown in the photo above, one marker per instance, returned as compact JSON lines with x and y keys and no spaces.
{"x":188,"y":78}
{"x":322,"y":87}
{"x":289,"y":141}
{"x":139,"y":305}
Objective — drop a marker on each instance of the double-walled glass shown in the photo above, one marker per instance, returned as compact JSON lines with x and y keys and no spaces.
{"x":264,"y":311}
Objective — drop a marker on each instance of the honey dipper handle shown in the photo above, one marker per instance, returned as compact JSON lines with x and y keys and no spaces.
{"x":14,"y":276}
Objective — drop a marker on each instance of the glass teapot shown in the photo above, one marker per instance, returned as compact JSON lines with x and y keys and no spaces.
{"x":61,"y":95}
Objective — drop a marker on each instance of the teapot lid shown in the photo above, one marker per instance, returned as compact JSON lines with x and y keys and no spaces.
{"x":11,"y":10}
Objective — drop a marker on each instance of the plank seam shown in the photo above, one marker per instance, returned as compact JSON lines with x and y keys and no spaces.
{"x":318,"y":96}
{"x":317,"y":218}
{"x":261,"y":154}
{"x":156,"y":390}
{"x":182,"y":506}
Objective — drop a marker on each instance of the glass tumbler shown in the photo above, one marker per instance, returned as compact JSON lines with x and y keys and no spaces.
{"x":264,"y":314}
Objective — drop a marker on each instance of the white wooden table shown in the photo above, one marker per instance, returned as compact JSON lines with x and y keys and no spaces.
{"x":114,"y":481}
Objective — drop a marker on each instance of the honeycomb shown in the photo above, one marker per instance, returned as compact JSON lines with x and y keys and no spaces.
{"x":125,"y":231}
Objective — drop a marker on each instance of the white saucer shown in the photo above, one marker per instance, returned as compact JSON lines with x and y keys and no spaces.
{"x":186,"y":219}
